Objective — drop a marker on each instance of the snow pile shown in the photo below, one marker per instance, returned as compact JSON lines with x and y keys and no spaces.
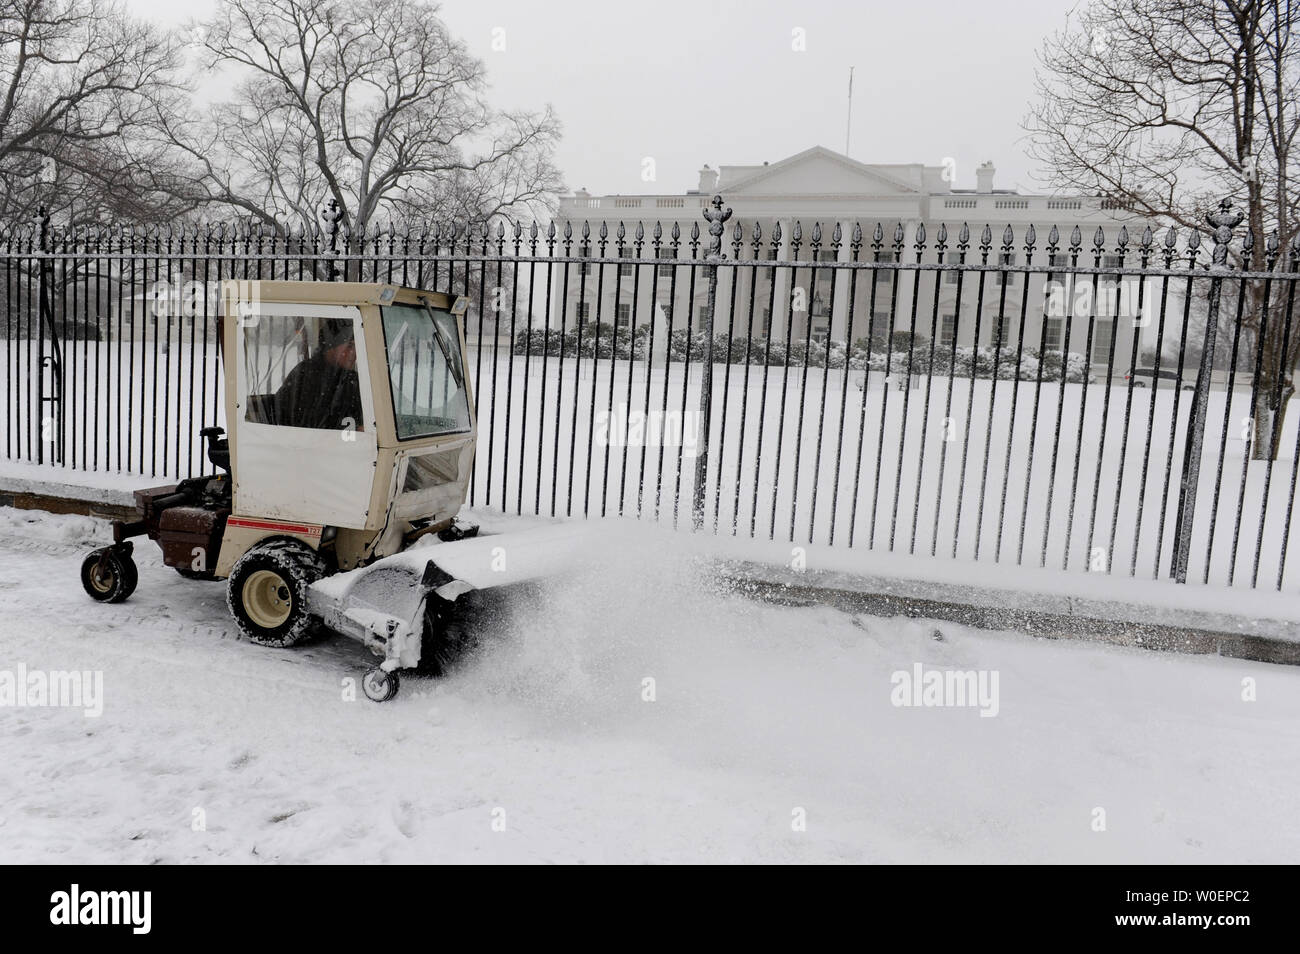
{"x":639,"y":605}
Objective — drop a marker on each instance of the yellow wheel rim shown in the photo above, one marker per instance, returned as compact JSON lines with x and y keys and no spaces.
{"x":267,"y":599}
{"x":102,"y":580}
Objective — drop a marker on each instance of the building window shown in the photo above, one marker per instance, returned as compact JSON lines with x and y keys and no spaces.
{"x":1054,"y":328}
{"x":825,"y":276}
{"x":584,"y":268}
{"x":1005,"y":258}
{"x":998,"y":333}
{"x":584,"y":311}
{"x":1112,"y":261}
{"x":1101,"y":340}
{"x":666,"y":271}
{"x":625,"y":268}
{"x":701,"y":317}
{"x":947,"y":331}
{"x":951,"y":258}
{"x":625,"y":314}
{"x":767,"y":322}
{"x":886,"y":275}
{"x":773,"y":254}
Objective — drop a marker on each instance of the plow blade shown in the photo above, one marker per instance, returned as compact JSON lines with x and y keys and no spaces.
{"x":386,"y":605}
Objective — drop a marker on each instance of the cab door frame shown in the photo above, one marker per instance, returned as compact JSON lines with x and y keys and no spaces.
{"x":309,"y":475}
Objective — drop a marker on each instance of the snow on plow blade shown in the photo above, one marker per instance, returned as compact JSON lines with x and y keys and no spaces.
{"x":383,"y":605}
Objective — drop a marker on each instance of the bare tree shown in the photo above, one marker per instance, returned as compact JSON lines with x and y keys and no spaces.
{"x":79,"y":84}
{"x":1167,"y":106}
{"x":370,"y":103}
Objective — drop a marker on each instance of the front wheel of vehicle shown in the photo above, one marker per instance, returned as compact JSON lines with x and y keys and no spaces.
{"x":380,"y":686}
{"x":108,"y":575}
{"x":267,"y":592}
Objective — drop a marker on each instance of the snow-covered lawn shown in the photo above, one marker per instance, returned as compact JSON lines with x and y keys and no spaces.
{"x":760,"y":711}
{"x":978,"y":468}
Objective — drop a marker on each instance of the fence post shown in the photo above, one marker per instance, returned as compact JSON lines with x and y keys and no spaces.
{"x":51,"y":424}
{"x":717,"y":219}
{"x":1223,"y":221}
{"x":330,"y":215}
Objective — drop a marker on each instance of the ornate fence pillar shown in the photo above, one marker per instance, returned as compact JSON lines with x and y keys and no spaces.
{"x":717,"y":219}
{"x":330,"y":215}
{"x":49,"y":407}
{"x":1223,"y":222}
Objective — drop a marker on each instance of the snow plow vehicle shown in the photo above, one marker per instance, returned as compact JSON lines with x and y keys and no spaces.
{"x":351,"y":437}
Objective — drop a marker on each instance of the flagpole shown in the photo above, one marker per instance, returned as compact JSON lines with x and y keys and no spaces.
{"x":848,"y":126}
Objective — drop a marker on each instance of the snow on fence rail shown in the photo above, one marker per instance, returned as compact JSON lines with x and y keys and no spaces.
{"x":1117,"y":408}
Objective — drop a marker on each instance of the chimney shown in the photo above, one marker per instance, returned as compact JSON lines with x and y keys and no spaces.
{"x":984,"y":177}
{"x":708,"y":180}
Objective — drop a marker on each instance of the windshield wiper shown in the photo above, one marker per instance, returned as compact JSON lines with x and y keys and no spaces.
{"x":444,"y":345}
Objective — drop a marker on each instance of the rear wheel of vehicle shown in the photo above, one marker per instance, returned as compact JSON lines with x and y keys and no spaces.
{"x":109,"y":576}
{"x":267,"y":592}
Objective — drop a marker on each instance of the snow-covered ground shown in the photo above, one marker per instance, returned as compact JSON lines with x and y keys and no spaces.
{"x":762,"y":715}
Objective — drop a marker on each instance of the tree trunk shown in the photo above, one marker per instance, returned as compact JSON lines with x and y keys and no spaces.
{"x":1269,"y":420}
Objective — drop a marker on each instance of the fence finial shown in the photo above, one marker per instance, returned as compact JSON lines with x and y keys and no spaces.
{"x":1223,"y":222}
{"x":330,"y":214}
{"x":717,"y":219}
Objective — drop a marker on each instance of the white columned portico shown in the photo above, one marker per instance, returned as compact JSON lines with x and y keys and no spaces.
{"x":840,"y":303}
{"x":781,"y":299}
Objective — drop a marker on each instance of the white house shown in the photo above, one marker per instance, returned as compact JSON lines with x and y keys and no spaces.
{"x":820,"y":185}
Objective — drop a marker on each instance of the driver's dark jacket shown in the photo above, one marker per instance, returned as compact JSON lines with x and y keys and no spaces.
{"x":319,"y":394}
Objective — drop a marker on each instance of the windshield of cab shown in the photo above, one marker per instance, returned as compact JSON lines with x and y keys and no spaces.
{"x":425,"y":371}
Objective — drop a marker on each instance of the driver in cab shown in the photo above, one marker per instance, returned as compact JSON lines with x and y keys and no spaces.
{"x":324,"y":392}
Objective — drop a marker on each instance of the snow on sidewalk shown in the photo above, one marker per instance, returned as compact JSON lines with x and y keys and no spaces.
{"x":759,"y":711}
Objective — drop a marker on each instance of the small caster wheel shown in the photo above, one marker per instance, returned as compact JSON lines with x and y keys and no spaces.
{"x":380,"y":686}
{"x":109,"y":575}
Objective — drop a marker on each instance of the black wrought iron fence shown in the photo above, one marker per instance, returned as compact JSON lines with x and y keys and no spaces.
{"x":1117,"y":405}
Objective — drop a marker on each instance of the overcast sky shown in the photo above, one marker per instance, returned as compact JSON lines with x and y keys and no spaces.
{"x":688,"y":83}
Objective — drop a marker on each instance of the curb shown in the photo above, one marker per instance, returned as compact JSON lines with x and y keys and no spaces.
{"x":66,"y":498}
{"x":1034,"y":614}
